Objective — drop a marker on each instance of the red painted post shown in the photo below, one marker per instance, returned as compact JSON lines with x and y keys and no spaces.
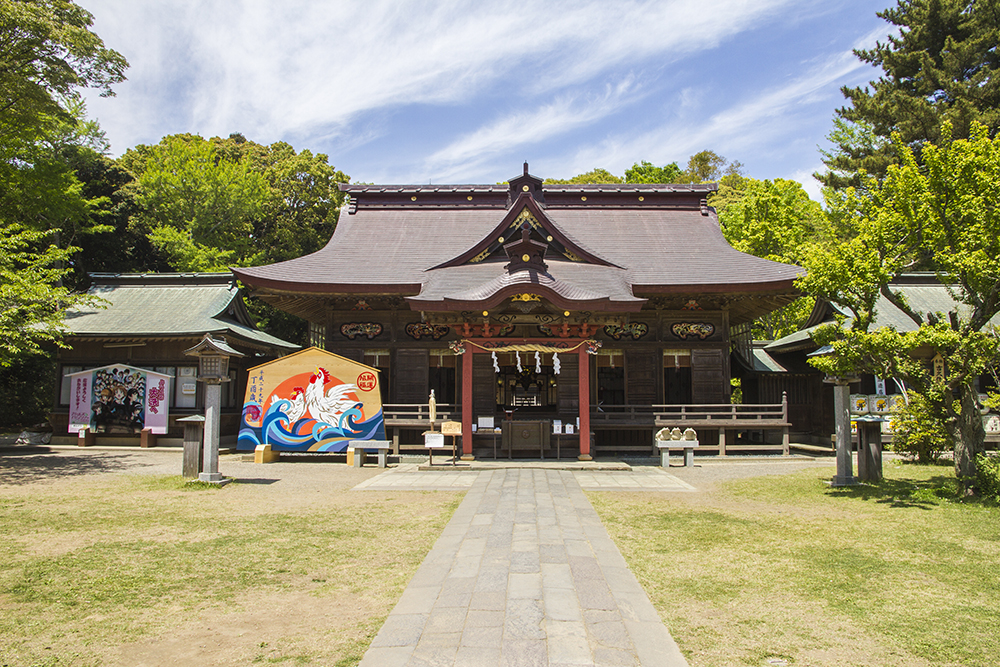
{"x":467,"y":404}
{"x":584,"y":375}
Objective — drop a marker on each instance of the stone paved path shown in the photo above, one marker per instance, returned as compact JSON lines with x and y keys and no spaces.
{"x":524,"y":574}
{"x":409,"y":477}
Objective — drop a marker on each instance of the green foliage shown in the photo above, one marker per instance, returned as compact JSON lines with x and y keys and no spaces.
{"x":32,"y":302}
{"x":647,"y":172}
{"x":920,"y":428}
{"x":206,"y":204}
{"x":773,"y":220}
{"x":945,"y":213}
{"x":708,"y":167}
{"x":26,"y":390}
{"x":48,"y":53}
{"x":595,"y":176}
{"x":988,"y":476}
{"x":940,"y":67}
{"x":199,"y":207}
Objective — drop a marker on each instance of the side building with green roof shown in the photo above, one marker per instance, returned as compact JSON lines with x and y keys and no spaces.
{"x":147,"y":322}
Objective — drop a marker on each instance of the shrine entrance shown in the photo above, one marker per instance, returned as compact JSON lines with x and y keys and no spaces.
{"x":536,"y":387}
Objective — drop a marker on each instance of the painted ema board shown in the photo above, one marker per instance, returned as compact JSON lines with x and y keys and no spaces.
{"x":119,"y":399}
{"x":311,"y":401}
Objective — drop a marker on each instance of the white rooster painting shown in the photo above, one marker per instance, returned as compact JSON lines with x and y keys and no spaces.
{"x":312,"y":408}
{"x":329,"y":407}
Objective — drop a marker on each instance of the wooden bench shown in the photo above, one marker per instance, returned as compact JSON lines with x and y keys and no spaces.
{"x":356,"y":450}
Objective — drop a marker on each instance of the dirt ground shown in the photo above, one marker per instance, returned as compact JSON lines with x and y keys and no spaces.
{"x":296,"y":625}
{"x":310,"y":620}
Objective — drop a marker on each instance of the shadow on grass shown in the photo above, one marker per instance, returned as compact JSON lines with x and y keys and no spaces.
{"x":254,"y":480}
{"x":29,"y":469}
{"x":918,"y":493}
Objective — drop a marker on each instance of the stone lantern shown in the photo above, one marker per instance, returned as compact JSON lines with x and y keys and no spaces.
{"x":842,"y":422}
{"x":213,"y":369}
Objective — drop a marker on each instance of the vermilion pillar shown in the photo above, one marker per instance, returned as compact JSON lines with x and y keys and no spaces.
{"x":584,"y":404}
{"x":467,"y":404}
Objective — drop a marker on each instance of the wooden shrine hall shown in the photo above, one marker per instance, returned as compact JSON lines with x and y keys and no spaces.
{"x":548,"y":319}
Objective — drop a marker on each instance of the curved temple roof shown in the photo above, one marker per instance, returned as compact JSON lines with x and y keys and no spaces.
{"x":610,"y":247}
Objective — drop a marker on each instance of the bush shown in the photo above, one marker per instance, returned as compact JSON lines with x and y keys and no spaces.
{"x":27,"y":391}
{"x":988,"y":476}
{"x":920,"y":429}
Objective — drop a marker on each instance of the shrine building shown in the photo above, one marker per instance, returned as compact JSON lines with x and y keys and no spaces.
{"x":567,"y":316}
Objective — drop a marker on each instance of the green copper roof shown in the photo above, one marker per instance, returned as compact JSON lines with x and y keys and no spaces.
{"x":168,"y":304}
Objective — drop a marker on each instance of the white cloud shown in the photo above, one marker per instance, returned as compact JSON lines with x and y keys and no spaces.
{"x":565,"y":113}
{"x":301,"y":68}
{"x":739,"y":130}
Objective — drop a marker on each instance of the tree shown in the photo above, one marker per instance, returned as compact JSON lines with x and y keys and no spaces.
{"x":772,"y":220}
{"x":48,"y":53}
{"x":207,"y":204}
{"x":647,"y":172}
{"x":303,"y":202}
{"x":942,"y":66}
{"x":945,"y":212}
{"x":708,"y":167}
{"x":596,"y":175}
{"x":32,"y":302}
{"x":198,"y":207}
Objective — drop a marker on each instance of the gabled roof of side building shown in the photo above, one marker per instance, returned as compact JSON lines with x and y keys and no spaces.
{"x":923,"y":292}
{"x":169,"y":305}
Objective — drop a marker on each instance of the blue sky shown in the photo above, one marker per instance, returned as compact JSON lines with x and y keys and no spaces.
{"x":465,"y":91}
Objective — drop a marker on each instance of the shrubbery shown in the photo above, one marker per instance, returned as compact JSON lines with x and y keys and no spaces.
{"x":920,"y":429}
{"x":988,"y":476}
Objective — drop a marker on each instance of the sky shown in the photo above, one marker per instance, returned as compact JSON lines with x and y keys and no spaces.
{"x":466,"y":91}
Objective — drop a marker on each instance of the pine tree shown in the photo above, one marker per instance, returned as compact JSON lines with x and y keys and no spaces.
{"x":942,"y":66}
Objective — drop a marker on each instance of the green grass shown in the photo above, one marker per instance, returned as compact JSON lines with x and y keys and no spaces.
{"x":783,"y":566}
{"x":90,"y":566}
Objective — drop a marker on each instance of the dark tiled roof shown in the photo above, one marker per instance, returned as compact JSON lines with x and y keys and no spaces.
{"x":481,"y":283}
{"x":168,"y":305}
{"x":663,"y":237}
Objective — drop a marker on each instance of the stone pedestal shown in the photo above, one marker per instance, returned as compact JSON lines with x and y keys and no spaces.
{"x":85,"y":438}
{"x":147,"y":438}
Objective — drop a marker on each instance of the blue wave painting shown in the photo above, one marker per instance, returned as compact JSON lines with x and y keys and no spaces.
{"x":307,"y":434}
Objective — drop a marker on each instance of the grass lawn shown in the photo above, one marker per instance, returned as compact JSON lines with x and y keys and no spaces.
{"x":784,"y":570}
{"x":142,"y":569}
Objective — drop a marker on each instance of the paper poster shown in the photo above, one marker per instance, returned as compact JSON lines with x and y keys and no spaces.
{"x":311,"y":401}
{"x":120,"y":400}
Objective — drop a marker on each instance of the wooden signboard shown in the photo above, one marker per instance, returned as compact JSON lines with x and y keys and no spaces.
{"x":451,"y":428}
{"x":311,"y":401}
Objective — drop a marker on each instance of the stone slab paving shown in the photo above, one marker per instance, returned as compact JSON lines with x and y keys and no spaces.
{"x":411,"y":477}
{"x":407,"y":477}
{"x":523,"y":574}
{"x":639,"y":479}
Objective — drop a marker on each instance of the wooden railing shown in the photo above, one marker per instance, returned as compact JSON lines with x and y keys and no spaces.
{"x":741,"y":415}
{"x":712,"y":416}
{"x":412,"y":413}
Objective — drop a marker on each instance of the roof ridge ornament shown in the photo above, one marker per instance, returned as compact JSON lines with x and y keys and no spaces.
{"x":526,"y":254}
{"x":528,"y":185}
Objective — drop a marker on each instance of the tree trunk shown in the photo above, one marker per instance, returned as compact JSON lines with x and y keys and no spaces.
{"x":971,"y":438}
